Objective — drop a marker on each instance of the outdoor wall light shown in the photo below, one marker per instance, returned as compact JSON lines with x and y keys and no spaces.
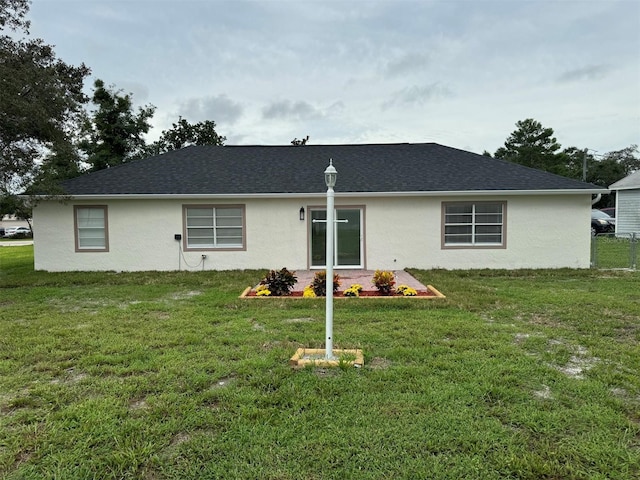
{"x":330,"y":175}
{"x":301,"y":213}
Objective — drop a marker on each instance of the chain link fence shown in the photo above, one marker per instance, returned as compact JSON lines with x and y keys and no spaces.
{"x":610,"y":251}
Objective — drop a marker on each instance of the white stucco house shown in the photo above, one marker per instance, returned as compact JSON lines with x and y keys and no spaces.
{"x":627,"y":204}
{"x":244,"y":207}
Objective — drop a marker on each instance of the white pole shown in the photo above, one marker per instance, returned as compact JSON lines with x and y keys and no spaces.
{"x":329,"y":295}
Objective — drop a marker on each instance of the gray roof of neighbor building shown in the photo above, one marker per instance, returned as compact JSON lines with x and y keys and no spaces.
{"x":631,"y":181}
{"x":220,"y":170}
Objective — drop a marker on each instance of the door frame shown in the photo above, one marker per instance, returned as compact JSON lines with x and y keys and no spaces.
{"x":363,"y":256}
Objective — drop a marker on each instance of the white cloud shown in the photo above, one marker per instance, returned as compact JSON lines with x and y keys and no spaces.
{"x":458,"y":72}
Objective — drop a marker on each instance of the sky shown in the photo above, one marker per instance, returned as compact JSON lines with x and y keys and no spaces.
{"x":459,"y":73}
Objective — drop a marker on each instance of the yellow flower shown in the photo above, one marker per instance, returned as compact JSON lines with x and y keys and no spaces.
{"x":308,"y":292}
{"x":352,"y":291}
{"x":262,"y":291}
{"x":409,"y":292}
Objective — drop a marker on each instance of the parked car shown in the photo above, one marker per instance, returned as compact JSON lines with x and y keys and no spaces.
{"x":19,"y":232}
{"x":601,"y":222}
{"x":611,"y":211}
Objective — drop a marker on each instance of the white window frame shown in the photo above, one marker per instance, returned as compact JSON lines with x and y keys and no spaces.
{"x":79,"y":227}
{"x":215,"y":227}
{"x":476,"y":237}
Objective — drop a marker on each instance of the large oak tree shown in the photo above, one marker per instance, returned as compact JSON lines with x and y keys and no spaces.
{"x":41,"y":100}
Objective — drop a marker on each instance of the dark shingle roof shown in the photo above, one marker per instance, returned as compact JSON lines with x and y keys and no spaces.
{"x":209,"y":170}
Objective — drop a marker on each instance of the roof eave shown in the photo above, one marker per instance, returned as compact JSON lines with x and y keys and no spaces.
{"x":468,"y":193}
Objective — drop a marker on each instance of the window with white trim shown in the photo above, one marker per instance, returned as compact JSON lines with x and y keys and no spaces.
{"x":212,"y":227}
{"x":91,"y":232}
{"x":474,"y":224}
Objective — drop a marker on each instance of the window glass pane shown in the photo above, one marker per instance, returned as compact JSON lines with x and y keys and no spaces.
{"x":199,"y":212}
{"x":488,"y":218}
{"x":457,"y":230}
{"x":229,"y":232}
{"x":200,"y":232}
{"x":458,"y":218}
{"x":318,"y":238}
{"x":91,"y":242}
{"x":200,"y":222}
{"x":489,"y":208}
{"x":451,"y":239}
{"x":229,"y":221}
{"x":228,"y":212}
{"x":459,"y":208}
{"x":197,"y":242}
{"x":230,"y":241}
{"x":480,"y":229}
{"x":497,"y":239}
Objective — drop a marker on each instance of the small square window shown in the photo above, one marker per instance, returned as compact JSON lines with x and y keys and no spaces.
{"x":91,"y":228}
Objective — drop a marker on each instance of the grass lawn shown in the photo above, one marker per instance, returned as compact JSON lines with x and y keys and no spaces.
{"x":521,"y":375}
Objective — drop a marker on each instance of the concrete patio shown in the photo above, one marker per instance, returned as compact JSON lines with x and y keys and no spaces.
{"x":362,"y":277}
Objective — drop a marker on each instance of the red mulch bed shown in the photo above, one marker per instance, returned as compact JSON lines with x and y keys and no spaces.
{"x":364,"y":293}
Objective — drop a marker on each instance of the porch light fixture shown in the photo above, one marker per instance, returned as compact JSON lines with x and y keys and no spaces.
{"x":330,"y":177}
{"x":301,"y":213}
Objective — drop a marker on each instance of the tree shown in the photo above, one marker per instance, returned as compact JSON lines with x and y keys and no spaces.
{"x":41,"y":99}
{"x":532,"y":145}
{"x":113,"y":134}
{"x":184,"y":134}
{"x":574,"y":162}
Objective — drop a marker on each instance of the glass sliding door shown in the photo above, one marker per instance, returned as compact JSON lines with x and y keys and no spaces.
{"x":347,"y":237}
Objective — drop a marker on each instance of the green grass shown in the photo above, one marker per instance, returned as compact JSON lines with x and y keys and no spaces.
{"x":521,"y":375}
{"x":608,"y":251}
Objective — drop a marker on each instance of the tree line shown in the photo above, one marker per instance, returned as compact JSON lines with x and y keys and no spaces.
{"x":535,"y":146}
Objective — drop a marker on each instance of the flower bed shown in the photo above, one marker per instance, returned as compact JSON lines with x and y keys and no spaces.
{"x":431,"y":292}
{"x":281,"y":284}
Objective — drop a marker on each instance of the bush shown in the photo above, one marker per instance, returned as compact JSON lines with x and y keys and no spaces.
{"x":353,"y":291}
{"x":384,"y":281}
{"x":319,"y":283}
{"x":279,"y":282}
{"x":406,"y":290}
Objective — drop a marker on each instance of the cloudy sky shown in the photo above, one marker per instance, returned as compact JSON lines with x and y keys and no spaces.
{"x":458,"y":72}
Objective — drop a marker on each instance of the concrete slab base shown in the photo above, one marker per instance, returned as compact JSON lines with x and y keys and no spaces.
{"x":316,"y":357}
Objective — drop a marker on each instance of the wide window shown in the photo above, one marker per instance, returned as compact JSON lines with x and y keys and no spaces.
{"x":212,"y":227}
{"x":91,"y":232}
{"x":479,"y":224}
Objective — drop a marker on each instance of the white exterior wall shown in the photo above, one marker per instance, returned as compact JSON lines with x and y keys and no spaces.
{"x":141,"y":237}
{"x":628,"y":211}
{"x":543,"y":231}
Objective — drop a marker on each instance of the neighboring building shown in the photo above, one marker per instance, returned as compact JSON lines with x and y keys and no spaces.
{"x":627,"y":204}
{"x":249,"y":207}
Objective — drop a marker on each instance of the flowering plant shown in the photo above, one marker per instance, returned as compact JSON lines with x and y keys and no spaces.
{"x":319,"y":283}
{"x":406,"y":290}
{"x":384,"y":281}
{"x":262,"y":291}
{"x":308,"y":292}
{"x":279,"y":282}
{"x":353,"y":291}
